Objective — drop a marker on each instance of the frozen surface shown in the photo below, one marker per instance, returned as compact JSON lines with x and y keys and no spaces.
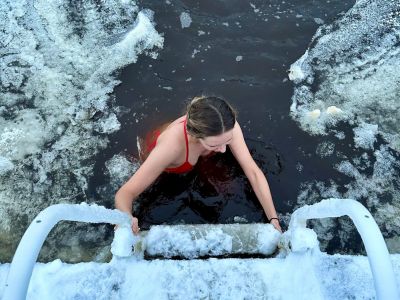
{"x":348,"y":80}
{"x":5,"y":165}
{"x":325,"y":149}
{"x":119,"y":169}
{"x":57,"y":69}
{"x":371,"y":179}
{"x":352,"y":64}
{"x":365,"y":135}
{"x":296,"y":277}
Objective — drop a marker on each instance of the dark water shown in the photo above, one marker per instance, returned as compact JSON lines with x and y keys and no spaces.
{"x":268,"y":40}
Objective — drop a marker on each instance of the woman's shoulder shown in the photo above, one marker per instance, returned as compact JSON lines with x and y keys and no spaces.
{"x":178,"y":121}
{"x":237,"y":132}
{"x":173,"y":134}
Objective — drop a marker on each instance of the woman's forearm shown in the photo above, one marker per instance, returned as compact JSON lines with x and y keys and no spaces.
{"x":124,"y":200}
{"x":261,"y":188}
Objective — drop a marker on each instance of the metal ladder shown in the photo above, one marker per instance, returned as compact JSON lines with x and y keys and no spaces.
{"x":243,"y":239}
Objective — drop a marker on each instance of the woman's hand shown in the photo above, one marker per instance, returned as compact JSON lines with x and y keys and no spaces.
{"x":275,"y":223}
{"x":135,"y":225}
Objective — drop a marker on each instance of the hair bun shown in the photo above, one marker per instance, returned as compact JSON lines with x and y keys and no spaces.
{"x":209,"y":116}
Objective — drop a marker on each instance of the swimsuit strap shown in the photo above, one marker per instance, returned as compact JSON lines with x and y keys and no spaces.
{"x":186,"y":140}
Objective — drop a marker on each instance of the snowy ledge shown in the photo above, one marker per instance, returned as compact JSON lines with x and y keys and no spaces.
{"x":193,"y":241}
{"x":296,"y":277}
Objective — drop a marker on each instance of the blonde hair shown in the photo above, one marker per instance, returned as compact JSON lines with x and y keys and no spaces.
{"x":209,"y":116}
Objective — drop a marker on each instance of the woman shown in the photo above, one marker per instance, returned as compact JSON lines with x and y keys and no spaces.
{"x":209,"y":125}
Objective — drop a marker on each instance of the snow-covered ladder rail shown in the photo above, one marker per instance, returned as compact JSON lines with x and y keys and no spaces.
{"x":378,"y":255}
{"x":199,"y":240}
{"x":28,"y":249}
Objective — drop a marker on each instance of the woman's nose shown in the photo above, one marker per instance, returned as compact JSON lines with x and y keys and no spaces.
{"x":222,"y":149}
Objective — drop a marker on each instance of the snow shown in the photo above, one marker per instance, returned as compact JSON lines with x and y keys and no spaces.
{"x":296,"y":277}
{"x":5,"y":165}
{"x":303,"y":239}
{"x":56,"y":108}
{"x":123,"y":241}
{"x":347,"y":80}
{"x":356,"y":60}
{"x":295,"y":273}
{"x":325,"y":149}
{"x":109,"y":124}
{"x":365,"y":135}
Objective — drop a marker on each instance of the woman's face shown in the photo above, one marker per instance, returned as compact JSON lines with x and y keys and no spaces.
{"x":217,"y":143}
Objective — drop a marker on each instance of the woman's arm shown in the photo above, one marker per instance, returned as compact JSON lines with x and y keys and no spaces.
{"x":254,"y":174}
{"x":159,"y":159}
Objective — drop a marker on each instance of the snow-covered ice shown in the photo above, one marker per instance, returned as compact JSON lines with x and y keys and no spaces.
{"x":56,"y":111}
{"x":296,"y":277}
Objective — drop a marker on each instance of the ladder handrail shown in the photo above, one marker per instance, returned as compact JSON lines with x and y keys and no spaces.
{"x":378,"y":254}
{"x":25,"y":256}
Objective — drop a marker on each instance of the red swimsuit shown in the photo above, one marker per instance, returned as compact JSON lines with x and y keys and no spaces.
{"x":183,"y":168}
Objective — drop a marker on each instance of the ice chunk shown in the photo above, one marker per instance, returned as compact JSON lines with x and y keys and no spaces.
{"x":195,"y":51}
{"x":313,"y":115}
{"x":325,"y":149}
{"x":5,"y":165}
{"x":119,"y":168}
{"x":24,"y":135}
{"x":319,"y":21}
{"x":365,"y":135}
{"x":340,"y":135}
{"x":108,"y":124}
{"x":185,"y":19}
{"x":297,"y":72}
{"x":333,"y":110}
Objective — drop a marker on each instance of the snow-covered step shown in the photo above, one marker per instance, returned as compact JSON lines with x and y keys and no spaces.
{"x":301,"y":270}
{"x":202,"y":240}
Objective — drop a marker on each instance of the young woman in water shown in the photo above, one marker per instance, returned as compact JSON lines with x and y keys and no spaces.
{"x":208,"y":126}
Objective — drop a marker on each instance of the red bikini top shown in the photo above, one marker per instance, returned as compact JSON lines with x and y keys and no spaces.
{"x":186,"y":166}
